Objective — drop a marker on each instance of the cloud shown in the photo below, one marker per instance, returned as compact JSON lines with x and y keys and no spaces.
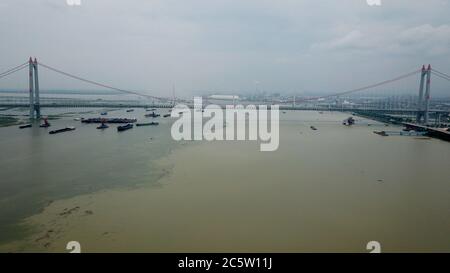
{"x":223,"y":44}
{"x":424,"y":39}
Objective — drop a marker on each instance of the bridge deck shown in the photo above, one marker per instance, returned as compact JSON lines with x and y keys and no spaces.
{"x":436,"y":132}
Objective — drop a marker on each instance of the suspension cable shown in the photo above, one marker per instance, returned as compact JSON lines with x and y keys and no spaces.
{"x":13,"y":70}
{"x":363,"y":88}
{"x":97,"y":83}
{"x":441,"y":75}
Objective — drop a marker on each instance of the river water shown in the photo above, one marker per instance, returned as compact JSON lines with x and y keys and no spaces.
{"x":334,"y":189}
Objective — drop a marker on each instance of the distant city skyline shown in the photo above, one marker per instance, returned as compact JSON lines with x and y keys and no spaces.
{"x":225,"y":46}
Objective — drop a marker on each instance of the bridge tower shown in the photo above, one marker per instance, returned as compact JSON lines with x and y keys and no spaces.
{"x":37,"y":106}
{"x":424,"y":99}
{"x":31,"y":85}
{"x":34,"y":89}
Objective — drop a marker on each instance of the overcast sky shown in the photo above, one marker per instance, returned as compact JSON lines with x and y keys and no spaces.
{"x":225,"y":46}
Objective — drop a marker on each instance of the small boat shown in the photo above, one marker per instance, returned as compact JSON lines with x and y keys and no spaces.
{"x":349,"y":121}
{"x":130,"y":110}
{"x":25,"y":126}
{"x":166,"y":115}
{"x":77,"y":119}
{"x":381,"y":133}
{"x":313,"y":128}
{"x":124,"y":127}
{"x":152,"y":115}
{"x":45,"y":124}
{"x":103,"y":113}
{"x":147,"y":124}
{"x":62,"y":130}
{"x":103,"y":126}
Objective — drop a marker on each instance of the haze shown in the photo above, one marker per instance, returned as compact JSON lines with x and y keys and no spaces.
{"x":225,"y":46}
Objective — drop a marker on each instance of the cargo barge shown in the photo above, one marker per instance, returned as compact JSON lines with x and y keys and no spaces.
{"x":62,"y":130}
{"x":125,"y":127}
{"x":109,"y":120}
{"x":25,"y":126}
{"x":147,"y":124}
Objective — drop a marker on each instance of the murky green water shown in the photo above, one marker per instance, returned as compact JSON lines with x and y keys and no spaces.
{"x":37,"y":168}
{"x":333,"y":189}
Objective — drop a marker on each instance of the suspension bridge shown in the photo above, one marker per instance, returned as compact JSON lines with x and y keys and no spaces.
{"x":413,"y":105}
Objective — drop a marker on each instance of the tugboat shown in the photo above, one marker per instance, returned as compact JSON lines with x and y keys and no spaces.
{"x":124,"y":127}
{"x":147,"y":124}
{"x":25,"y":126}
{"x":349,"y":122}
{"x":62,"y":130}
{"x":45,"y":124}
{"x":103,"y":126}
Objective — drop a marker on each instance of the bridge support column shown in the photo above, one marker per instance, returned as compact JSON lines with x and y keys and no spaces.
{"x":427,"y":95}
{"x":423,"y":101}
{"x":31,"y":68}
{"x":37,"y":106}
